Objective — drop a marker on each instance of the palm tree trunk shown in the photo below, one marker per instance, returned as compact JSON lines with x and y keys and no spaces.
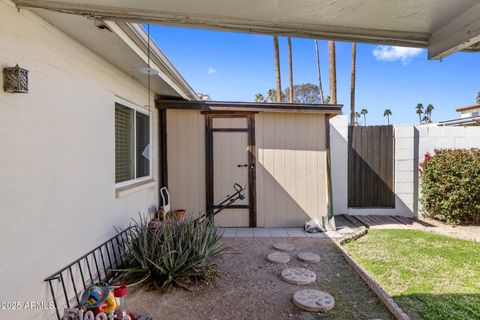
{"x":333,"y":72}
{"x":352,"y":84}
{"x":290,"y":68}
{"x":319,"y":74}
{"x":388,"y":119}
{"x":364,"y":120}
{"x":277,"y":69}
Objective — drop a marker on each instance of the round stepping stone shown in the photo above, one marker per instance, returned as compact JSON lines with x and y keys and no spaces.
{"x":313,"y":300}
{"x":309,"y":257}
{"x":278,"y":257}
{"x":283,"y":246}
{"x":298,"y":276}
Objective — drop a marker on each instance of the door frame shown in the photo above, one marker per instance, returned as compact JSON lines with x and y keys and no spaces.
{"x":209,"y":163}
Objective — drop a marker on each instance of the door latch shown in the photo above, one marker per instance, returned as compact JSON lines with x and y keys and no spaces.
{"x":242,"y":165}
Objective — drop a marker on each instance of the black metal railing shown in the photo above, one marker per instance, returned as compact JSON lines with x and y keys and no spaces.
{"x":97,"y":265}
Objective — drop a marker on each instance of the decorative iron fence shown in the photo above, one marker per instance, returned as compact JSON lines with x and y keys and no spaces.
{"x":97,"y":265}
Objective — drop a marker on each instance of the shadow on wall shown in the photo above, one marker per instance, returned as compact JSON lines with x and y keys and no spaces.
{"x":362,"y":192}
{"x":282,"y":203}
{"x":291,"y":169}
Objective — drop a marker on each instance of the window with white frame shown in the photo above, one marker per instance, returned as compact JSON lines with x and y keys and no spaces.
{"x":132,"y":143}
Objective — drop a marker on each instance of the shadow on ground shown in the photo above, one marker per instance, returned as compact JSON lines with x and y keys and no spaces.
{"x":440,"y":307}
{"x":249,"y":287}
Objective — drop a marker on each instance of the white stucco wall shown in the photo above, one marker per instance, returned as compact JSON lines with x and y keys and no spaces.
{"x":57,"y":190}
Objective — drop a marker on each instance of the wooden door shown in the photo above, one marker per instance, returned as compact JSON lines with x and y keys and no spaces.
{"x":230,"y":159}
{"x":371,"y":167}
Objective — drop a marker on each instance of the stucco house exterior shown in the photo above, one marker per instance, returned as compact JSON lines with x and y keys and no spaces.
{"x":61,"y":190}
{"x":92,"y":141}
{"x":98,"y":133}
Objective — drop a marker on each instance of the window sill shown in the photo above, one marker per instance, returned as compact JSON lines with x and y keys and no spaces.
{"x":134,"y":187}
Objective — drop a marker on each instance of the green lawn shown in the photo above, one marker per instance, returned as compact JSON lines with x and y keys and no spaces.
{"x":428,"y":275}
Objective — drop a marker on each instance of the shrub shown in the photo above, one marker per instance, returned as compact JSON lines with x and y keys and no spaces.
{"x":173,"y":250}
{"x":450,"y":184}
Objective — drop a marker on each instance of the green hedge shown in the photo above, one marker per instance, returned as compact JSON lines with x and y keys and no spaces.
{"x":450,"y":182}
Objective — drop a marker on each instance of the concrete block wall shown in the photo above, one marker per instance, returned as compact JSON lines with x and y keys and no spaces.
{"x":404,"y":171}
{"x":431,"y":138}
{"x":411,"y":144}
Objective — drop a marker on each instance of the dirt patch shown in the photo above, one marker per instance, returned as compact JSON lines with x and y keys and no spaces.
{"x":249,"y":287}
{"x":465,"y":232}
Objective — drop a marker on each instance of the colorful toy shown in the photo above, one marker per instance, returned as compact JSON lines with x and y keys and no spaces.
{"x":95,"y":295}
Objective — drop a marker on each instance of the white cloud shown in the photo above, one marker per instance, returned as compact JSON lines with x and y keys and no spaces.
{"x":391,"y":53}
{"x":211,"y":70}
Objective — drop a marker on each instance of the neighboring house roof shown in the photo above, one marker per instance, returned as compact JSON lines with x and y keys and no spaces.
{"x":468,"y":108}
{"x":468,"y":121}
{"x":441,"y":26}
{"x":123,"y":45}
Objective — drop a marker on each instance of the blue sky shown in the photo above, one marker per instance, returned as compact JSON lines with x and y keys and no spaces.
{"x":234,"y":67}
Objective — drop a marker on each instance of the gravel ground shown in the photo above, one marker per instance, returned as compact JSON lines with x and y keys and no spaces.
{"x":465,"y":232}
{"x":249,"y":287}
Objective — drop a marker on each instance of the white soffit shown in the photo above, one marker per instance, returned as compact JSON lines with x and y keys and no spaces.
{"x":124,"y":46}
{"x":442,"y":26}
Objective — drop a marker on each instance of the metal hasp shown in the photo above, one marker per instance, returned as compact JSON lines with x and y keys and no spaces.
{"x":15,"y":80}
{"x":229,"y":200}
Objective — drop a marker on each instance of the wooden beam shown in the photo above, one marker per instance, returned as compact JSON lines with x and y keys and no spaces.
{"x":460,"y":33}
{"x":194,"y":19}
{"x":330,"y":109}
{"x":162,"y":148}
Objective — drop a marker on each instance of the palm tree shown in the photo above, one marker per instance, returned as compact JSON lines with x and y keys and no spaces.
{"x":290,"y":68}
{"x":364,"y":112}
{"x":277,"y":68}
{"x":419,"y":111}
{"x":333,"y":72}
{"x":387,"y":113}
{"x":428,"y":112}
{"x":478,"y":97}
{"x":318,"y":71}
{"x":357,"y":116}
{"x":425,"y":119}
{"x":259,"y":97}
{"x":352,"y":85}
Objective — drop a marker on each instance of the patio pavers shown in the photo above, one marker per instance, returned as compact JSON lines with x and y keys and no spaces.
{"x":283,"y":246}
{"x":276,"y":233}
{"x":298,"y":276}
{"x":309,"y":257}
{"x":313,"y":300}
{"x":278,"y":257}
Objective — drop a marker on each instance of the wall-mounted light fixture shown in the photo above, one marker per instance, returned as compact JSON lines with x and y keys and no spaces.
{"x":15,"y":80}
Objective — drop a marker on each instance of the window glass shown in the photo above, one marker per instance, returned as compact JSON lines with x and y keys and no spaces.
{"x":124,"y":144}
{"x":143,"y":145}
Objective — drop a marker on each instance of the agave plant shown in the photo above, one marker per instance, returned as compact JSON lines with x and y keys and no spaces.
{"x":173,"y":250}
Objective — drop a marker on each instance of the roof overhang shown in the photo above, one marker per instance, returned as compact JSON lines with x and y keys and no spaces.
{"x":468,"y":121}
{"x":123,"y":45}
{"x":468,"y":108}
{"x":443,"y":27}
{"x":207,"y":106}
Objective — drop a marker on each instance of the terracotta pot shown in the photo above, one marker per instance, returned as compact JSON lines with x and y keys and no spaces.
{"x":154,"y":223}
{"x":179,"y":215}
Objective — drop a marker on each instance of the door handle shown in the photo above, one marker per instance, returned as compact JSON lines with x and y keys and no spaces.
{"x":242,"y":165}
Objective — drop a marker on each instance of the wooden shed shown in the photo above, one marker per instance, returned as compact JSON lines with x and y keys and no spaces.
{"x":278,"y":152}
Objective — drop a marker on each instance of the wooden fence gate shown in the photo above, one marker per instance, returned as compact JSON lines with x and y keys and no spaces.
{"x":371,"y":167}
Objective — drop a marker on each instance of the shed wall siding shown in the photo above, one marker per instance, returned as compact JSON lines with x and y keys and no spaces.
{"x":291,"y":168}
{"x":57,"y":163}
{"x":186,"y":159}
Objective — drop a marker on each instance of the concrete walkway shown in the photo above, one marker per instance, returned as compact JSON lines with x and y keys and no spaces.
{"x":277,"y":233}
